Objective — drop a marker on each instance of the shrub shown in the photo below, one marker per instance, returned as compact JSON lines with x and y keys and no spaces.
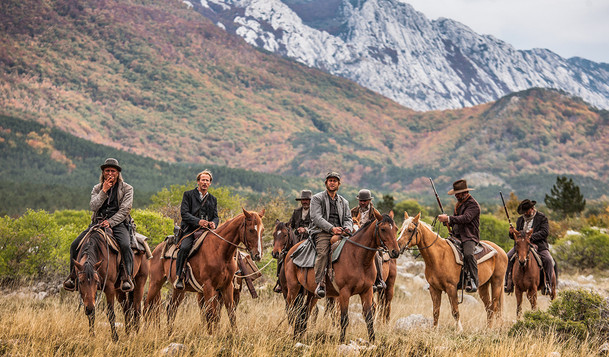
{"x":575,"y":314}
{"x":496,"y":231}
{"x":411,"y":206}
{"x":153,"y":225}
{"x":588,"y":250}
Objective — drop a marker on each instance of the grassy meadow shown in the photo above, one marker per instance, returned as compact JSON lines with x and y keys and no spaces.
{"x":56,"y":326}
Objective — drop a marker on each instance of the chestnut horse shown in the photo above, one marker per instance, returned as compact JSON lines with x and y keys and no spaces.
{"x":97,"y":269}
{"x":385,"y":296}
{"x":442,"y":272}
{"x":526,"y":275}
{"x":354,"y":273}
{"x":213,"y":267}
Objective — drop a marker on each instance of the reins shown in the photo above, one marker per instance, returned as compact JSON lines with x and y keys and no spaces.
{"x":375,"y":235}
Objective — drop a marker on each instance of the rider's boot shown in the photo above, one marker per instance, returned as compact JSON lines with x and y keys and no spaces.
{"x":126,"y":284}
{"x":277,"y":287}
{"x":509,"y":285}
{"x":320,"y":291}
{"x":70,"y":283}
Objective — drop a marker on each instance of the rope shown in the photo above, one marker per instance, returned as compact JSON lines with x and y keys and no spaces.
{"x":254,"y":273}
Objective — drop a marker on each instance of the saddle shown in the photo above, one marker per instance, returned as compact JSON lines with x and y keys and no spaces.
{"x":482,"y":252}
{"x":304,"y":256}
{"x":170,"y":251}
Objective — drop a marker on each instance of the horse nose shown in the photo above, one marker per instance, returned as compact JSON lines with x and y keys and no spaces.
{"x":257,"y":257}
{"x":394,"y":253}
{"x":275,"y":255}
{"x":89,"y":310}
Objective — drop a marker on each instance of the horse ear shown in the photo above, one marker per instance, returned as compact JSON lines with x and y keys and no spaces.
{"x":77,"y":265}
{"x":405,"y":215}
{"x":417,"y":217}
{"x":98,"y":265}
{"x":246,"y":213}
{"x":391,"y":214}
{"x":261,"y":213}
{"x":277,"y":221}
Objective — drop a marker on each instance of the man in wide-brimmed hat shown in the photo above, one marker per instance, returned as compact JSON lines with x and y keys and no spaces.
{"x":299,"y":223}
{"x":531,"y":219}
{"x":365,"y":212}
{"x":330,"y":215}
{"x":111,"y":201}
{"x":465,"y":224}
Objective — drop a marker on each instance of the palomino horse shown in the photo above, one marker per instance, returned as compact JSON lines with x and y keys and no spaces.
{"x":213,"y":267}
{"x":442,"y":272}
{"x":96,"y":268}
{"x":526,"y":275}
{"x":354,"y":273}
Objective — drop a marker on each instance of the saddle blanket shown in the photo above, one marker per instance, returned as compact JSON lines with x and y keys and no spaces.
{"x":482,"y":252}
{"x":304,"y":255}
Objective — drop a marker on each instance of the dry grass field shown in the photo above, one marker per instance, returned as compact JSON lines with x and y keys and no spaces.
{"x":55,"y":326}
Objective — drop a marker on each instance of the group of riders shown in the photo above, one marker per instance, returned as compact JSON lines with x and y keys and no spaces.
{"x":319,"y":218}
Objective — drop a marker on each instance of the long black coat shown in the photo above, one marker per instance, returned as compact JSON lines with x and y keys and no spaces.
{"x":192,"y":211}
{"x":541,"y":229}
{"x":296,"y":222}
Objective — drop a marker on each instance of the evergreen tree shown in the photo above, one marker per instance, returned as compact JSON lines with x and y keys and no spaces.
{"x":386,"y":204}
{"x":565,"y":197}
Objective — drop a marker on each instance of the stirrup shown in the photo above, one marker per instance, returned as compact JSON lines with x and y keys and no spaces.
{"x":179,"y":284}
{"x":69,"y":284}
{"x":320,"y":291}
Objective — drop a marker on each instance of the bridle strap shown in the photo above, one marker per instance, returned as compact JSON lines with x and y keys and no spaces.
{"x":363,"y":246}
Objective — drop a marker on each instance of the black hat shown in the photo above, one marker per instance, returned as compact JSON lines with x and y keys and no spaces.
{"x":110,"y":162}
{"x":304,"y":195}
{"x":364,"y":195}
{"x":525,"y":205}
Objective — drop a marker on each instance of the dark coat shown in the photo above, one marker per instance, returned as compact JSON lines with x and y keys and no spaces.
{"x":541,"y":229}
{"x":192,"y":211}
{"x":296,"y":222}
{"x":466,"y":221}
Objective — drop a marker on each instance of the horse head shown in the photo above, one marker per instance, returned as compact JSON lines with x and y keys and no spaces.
{"x":523,"y":246}
{"x":387,"y":231}
{"x":408,"y":232}
{"x":281,"y":233}
{"x":88,"y":281}
{"x":252,"y":233}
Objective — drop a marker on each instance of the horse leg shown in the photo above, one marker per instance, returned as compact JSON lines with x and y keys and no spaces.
{"x":367,"y":299}
{"x":518,"y":294}
{"x":176,"y":298}
{"x":343,"y":303}
{"x":209,"y":302}
{"x":436,"y":300}
{"x":483,"y":291}
{"x":299,"y":313}
{"x":152,"y":305}
{"x":231,"y":305}
{"x":91,"y":317}
{"x":138,"y":295}
{"x":532,"y":296}
{"x":454,"y":304}
{"x":553,"y":287}
{"x":124,"y":301}
{"x":111,"y":315}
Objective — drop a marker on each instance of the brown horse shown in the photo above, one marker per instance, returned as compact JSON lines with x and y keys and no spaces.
{"x":354,"y":273}
{"x":385,"y":296}
{"x":283,"y":240}
{"x":97,"y":269}
{"x":213,"y":267}
{"x":442,"y":272}
{"x":527,"y":274}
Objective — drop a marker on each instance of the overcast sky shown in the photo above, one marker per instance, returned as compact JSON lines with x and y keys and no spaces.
{"x":567,"y":27}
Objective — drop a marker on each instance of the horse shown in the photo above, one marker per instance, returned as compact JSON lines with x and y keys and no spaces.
{"x":213,"y":267}
{"x":354,"y":273}
{"x":442,"y":272}
{"x":526,"y":275}
{"x":385,"y":296}
{"x":97,"y":269}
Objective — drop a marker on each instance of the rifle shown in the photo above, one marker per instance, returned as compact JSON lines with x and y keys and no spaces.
{"x":438,"y":200}
{"x":505,"y":208}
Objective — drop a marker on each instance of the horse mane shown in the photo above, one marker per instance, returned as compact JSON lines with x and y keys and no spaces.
{"x":91,"y":248}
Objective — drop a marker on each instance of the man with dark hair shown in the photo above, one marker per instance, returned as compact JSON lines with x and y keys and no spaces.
{"x":532,"y":219}
{"x":111,"y":202}
{"x":330,"y":215}
{"x":465,"y":224}
{"x":362,"y":214}
{"x":199,"y":209}
{"x":299,"y":224}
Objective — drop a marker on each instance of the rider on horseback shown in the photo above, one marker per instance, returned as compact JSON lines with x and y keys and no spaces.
{"x":111,"y":202}
{"x":465,"y":226}
{"x":532,"y":219}
{"x":199,"y":209}
{"x":366,"y":212}
{"x":330,"y":215}
{"x":298,"y":223}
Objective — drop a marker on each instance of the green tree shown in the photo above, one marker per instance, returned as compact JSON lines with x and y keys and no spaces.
{"x":412,"y":207}
{"x":565,"y":197}
{"x":386,"y":204}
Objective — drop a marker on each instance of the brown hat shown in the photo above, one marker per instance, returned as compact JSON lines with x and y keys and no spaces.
{"x":525,"y":205}
{"x":110,"y":162}
{"x":304,"y":195}
{"x":459,"y":186}
{"x":332,"y":174}
{"x":364,"y":195}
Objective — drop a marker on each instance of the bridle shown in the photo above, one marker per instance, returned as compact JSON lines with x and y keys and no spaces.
{"x":415,"y":232}
{"x":377,"y":239}
{"x":241,"y":240}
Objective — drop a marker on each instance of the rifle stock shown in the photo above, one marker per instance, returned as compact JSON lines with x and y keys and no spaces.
{"x":505,"y":209}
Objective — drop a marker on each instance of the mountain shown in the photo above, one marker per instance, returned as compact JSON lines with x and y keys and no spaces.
{"x":159,"y":80}
{"x":389,"y":47}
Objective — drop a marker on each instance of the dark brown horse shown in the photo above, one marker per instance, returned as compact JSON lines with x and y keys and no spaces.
{"x":354,"y":274}
{"x":442,"y":272}
{"x":526,"y":273}
{"x":283,"y":240}
{"x":385,"y":296}
{"x":97,"y":269}
{"x":213,"y":267}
